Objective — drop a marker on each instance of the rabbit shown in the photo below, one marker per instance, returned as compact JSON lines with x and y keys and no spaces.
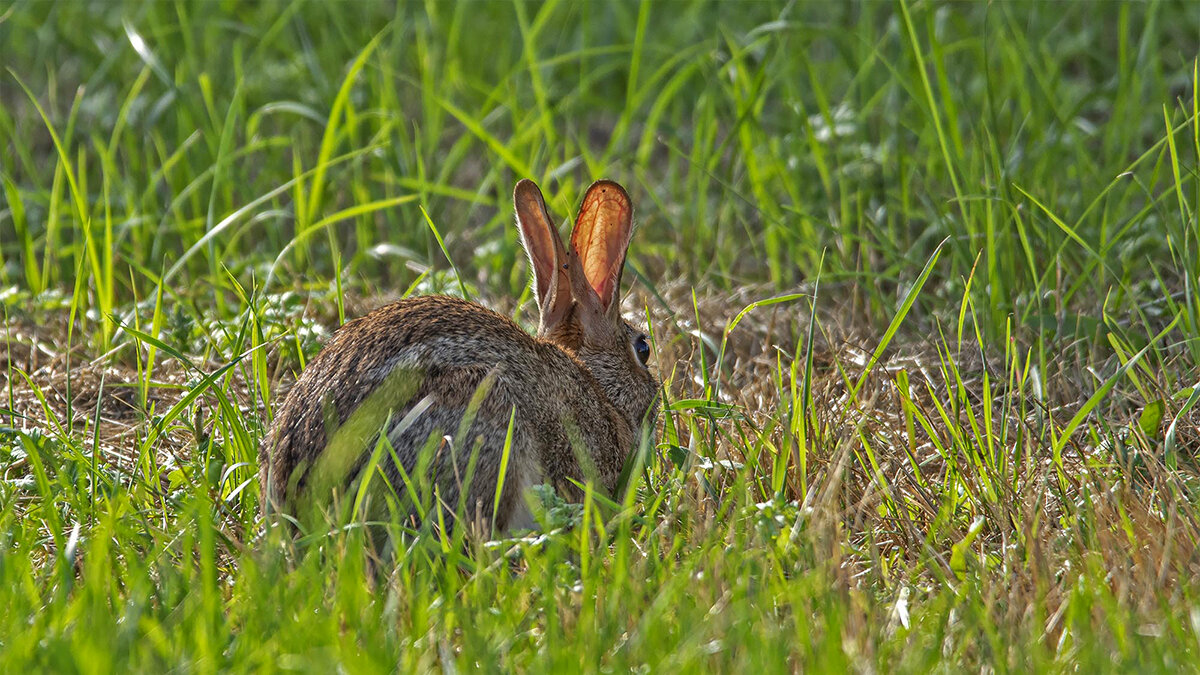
{"x":578,"y":393}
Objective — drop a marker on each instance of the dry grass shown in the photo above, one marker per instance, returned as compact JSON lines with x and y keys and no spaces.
{"x":892,"y":496}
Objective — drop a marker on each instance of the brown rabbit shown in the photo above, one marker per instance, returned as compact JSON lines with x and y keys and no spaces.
{"x":577,"y":394}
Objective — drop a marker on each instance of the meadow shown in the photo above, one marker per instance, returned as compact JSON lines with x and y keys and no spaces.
{"x":921,"y":280}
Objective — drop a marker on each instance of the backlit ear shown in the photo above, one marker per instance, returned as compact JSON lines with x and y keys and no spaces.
{"x":546,"y":254}
{"x":598,"y":246}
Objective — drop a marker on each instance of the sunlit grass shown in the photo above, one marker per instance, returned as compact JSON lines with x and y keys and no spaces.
{"x":921,"y":280}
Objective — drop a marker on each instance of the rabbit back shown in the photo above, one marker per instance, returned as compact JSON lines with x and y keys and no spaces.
{"x":429,"y":356}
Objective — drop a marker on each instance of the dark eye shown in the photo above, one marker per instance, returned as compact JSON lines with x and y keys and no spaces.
{"x":641,"y":348}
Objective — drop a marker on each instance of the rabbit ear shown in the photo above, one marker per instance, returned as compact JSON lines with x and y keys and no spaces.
{"x":598,"y":246}
{"x":546,"y":254}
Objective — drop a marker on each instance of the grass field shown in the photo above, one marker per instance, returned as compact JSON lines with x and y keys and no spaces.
{"x":922,"y":281}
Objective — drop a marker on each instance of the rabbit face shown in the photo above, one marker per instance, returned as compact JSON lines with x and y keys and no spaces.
{"x":578,"y":292}
{"x":620,"y":365}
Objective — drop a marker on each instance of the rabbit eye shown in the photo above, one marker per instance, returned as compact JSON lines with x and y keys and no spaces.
{"x":641,"y":348}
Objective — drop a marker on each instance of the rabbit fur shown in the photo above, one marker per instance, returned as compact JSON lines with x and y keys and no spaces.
{"x":578,"y":393}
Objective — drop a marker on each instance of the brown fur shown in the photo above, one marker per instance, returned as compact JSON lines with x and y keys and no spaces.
{"x":579,"y":393}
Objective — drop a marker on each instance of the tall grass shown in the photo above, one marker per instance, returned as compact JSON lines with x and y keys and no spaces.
{"x":921,"y":278}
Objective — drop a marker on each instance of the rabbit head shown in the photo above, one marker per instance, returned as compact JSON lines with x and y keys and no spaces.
{"x":578,"y":292}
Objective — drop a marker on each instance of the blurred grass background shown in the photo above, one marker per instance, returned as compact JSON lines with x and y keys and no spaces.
{"x":195,"y":193}
{"x":756,"y":137}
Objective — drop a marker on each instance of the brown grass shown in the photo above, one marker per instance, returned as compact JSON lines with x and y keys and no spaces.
{"x":1112,"y":504}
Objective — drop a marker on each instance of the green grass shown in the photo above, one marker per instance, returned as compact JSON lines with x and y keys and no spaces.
{"x":954,"y":428}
